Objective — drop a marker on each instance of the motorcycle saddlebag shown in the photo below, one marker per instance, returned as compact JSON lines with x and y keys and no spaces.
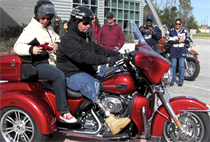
{"x":15,"y":68}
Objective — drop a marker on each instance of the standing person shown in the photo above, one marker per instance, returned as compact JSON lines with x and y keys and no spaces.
{"x":78,"y":57}
{"x":37,"y":33}
{"x":57,"y":25}
{"x":111,"y":37}
{"x":178,"y":37}
{"x":151,"y":32}
{"x":65,"y":27}
{"x":94,"y":28}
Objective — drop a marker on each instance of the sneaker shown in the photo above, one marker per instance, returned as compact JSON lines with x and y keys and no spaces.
{"x":180,"y":85}
{"x":68,"y":118}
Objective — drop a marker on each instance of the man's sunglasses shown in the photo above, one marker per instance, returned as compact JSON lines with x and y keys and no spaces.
{"x":86,"y":23}
{"x":43,"y":18}
{"x":178,"y":23}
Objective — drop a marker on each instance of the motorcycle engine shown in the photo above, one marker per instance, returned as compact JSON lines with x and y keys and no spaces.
{"x":113,"y":104}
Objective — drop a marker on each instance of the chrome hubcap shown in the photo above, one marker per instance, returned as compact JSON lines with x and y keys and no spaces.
{"x":17,"y":126}
{"x":191,"y":123}
{"x":191,"y":69}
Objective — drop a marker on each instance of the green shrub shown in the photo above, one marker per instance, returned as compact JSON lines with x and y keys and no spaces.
{"x":9,"y":36}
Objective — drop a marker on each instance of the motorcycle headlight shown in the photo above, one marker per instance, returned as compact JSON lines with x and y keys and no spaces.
{"x":168,"y":76}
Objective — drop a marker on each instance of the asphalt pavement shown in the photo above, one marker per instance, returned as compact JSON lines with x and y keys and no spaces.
{"x":200,"y":88}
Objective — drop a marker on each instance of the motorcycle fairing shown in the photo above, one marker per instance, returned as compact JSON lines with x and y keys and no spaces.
{"x":179,"y":104}
{"x":154,"y":65}
{"x":136,"y":113}
{"x":34,"y":105}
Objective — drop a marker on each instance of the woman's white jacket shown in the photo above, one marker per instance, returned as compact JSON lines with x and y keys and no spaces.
{"x":35,"y":30}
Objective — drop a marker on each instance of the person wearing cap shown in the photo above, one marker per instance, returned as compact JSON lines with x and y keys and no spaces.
{"x":78,"y":57}
{"x":30,"y":43}
{"x":151,"y":32}
{"x":111,"y":37}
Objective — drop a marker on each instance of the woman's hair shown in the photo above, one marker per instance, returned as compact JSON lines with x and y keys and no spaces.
{"x":65,"y":22}
{"x":178,"y":20}
{"x":96,"y":20}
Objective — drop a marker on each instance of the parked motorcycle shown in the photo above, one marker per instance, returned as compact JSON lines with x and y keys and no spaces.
{"x":190,"y":51}
{"x":192,"y":66}
{"x":28,"y":110}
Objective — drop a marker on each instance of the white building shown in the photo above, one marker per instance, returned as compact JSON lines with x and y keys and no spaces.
{"x":123,"y":10}
{"x":16,"y":12}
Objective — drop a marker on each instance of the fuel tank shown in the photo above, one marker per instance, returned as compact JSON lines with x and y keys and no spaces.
{"x":121,"y":83}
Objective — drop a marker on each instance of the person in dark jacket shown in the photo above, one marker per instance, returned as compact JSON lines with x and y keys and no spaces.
{"x":78,"y":57}
{"x":151,"y":33}
{"x":57,"y":25}
{"x":111,"y":37}
{"x":31,"y":43}
{"x":94,"y":28}
{"x":178,"y":37}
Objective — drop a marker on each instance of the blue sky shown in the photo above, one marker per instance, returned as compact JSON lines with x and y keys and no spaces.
{"x":201,"y":11}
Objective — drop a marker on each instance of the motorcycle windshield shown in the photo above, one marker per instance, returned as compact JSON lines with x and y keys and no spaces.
{"x":133,"y":35}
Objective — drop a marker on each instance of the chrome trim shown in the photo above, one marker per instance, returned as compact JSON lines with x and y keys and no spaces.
{"x":165,"y":100}
{"x":114,"y":137}
{"x":195,"y":110}
{"x":155,"y":139}
{"x":168,"y":76}
{"x":144,"y":120}
{"x":90,"y":132}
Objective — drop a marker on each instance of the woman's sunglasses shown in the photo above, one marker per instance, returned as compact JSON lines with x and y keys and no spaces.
{"x":177,"y":23}
{"x":43,"y":18}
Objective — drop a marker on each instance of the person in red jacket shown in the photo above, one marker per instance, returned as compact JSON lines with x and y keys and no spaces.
{"x":110,"y":36}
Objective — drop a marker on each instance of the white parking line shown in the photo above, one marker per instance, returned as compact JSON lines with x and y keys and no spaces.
{"x":197,"y":87}
{"x":204,"y":75}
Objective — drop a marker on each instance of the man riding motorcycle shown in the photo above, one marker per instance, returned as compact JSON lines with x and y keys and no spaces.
{"x":78,"y":57}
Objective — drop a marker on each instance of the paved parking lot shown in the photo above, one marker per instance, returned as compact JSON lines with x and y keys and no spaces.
{"x":200,"y":89}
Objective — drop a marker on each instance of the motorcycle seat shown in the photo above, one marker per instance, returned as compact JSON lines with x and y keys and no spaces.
{"x":28,"y":72}
{"x":73,"y":94}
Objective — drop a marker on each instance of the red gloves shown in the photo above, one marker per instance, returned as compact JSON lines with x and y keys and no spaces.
{"x":45,"y":47}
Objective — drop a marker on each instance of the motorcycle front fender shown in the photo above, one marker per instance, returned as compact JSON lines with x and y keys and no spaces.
{"x":194,"y":59}
{"x":179,"y":104}
{"x":34,"y":105}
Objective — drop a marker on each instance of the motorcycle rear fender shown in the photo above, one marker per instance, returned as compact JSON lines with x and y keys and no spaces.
{"x":34,"y":105}
{"x":179,"y":104}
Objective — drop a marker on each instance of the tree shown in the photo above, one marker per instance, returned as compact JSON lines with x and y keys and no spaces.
{"x":185,"y":11}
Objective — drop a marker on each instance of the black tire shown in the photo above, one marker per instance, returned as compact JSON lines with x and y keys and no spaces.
{"x":194,"y":69}
{"x":196,"y":126}
{"x":18,"y":125}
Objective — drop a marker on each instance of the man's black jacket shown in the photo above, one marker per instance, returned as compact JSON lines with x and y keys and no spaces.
{"x":76,"y":55}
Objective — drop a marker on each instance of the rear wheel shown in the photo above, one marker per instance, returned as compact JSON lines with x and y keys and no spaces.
{"x":193,"y":69}
{"x":18,"y":125}
{"x":196,"y":126}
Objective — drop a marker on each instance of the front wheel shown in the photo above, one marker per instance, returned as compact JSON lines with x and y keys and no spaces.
{"x":17,"y":125}
{"x":193,"y":69}
{"x":196,"y":126}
